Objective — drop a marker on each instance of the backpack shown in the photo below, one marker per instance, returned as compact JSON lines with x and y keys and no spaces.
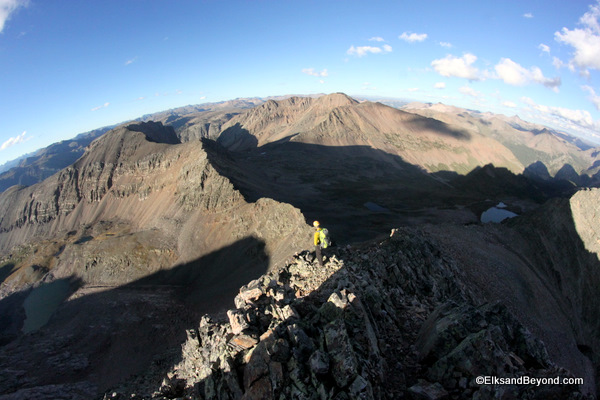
{"x":324,"y":238}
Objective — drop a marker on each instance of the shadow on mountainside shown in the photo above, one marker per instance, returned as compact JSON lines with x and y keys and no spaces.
{"x":5,"y":271}
{"x":424,"y":124}
{"x":104,"y":335}
{"x":336,"y":185}
{"x":29,"y":309}
{"x":332,"y":183}
{"x":391,"y":319}
{"x":237,"y":138}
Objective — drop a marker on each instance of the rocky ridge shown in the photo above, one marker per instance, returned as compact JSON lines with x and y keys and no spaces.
{"x":390,"y":319}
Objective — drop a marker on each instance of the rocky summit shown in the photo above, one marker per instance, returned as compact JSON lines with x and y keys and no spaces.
{"x":385,"y":320}
{"x":175,"y":259}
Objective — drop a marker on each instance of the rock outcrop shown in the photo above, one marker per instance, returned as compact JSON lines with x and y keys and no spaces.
{"x":392,"y":319}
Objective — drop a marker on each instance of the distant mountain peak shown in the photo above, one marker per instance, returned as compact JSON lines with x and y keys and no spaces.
{"x":335,"y":100}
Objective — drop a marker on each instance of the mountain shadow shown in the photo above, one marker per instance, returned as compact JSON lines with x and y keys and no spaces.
{"x":333,"y":184}
{"x":430,"y":124}
{"x":565,"y":178}
{"x":214,"y":280}
{"x":327,"y":182}
{"x":5,"y":271}
{"x":237,"y":138}
{"x":393,"y":318}
{"x":156,"y":132}
{"x":105,"y":335}
{"x":29,"y":309}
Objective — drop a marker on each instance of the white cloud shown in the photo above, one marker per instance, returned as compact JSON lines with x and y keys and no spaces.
{"x":585,"y":41}
{"x":440,"y":85}
{"x":558,"y":63}
{"x":512,"y":73}
{"x":413,"y":37}
{"x":412,"y":89}
{"x":364,"y":50}
{"x":446,"y":44}
{"x":7,"y":7}
{"x":131,"y":61}
{"x":469,"y":91}
{"x":544,"y":48}
{"x":594,"y":98}
{"x":460,"y":67}
{"x":574,"y":119}
{"x":509,"y":104}
{"x":13,"y":140}
{"x":312,"y":72}
{"x":99,"y":107}
{"x":515,"y":74}
{"x":528,"y":15}
{"x":376,"y":39}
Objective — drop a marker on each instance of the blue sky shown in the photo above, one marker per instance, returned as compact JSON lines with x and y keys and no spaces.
{"x":67,"y":67}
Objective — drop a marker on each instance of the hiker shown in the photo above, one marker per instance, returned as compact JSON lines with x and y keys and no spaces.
{"x":321,"y":240}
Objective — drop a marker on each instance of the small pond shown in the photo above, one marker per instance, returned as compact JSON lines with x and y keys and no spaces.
{"x":497,"y":214}
{"x":42,"y":302}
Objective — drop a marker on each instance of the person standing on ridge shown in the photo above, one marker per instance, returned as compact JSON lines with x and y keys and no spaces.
{"x":321,"y":240}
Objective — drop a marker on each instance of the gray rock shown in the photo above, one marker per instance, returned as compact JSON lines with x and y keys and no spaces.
{"x":279,"y":350}
{"x":428,"y":391}
{"x":300,"y":340}
{"x":361,"y":389}
{"x":319,"y":363}
{"x":237,"y":321}
{"x":344,"y":366}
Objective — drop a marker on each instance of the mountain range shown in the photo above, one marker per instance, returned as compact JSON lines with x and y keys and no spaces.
{"x":161,"y":220}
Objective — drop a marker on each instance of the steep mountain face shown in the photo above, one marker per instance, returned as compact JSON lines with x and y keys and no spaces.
{"x":190,"y":123}
{"x":134,"y":174}
{"x":565,"y":232}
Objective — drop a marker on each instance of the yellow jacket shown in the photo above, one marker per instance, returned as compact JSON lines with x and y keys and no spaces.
{"x":317,"y":236}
